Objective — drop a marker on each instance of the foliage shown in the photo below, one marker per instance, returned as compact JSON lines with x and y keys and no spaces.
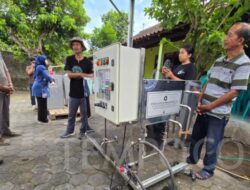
{"x":103,"y":36}
{"x":208,"y":20}
{"x":114,"y":29}
{"x":41,"y":26}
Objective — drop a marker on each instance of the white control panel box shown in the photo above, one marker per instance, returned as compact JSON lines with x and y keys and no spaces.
{"x":117,"y":71}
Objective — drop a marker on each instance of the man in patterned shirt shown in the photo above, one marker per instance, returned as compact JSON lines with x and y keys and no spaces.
{"x":228,"y":76}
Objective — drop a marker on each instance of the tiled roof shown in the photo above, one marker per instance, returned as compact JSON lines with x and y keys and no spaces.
{"x":151,"y":36}
{"x":151,"y":31}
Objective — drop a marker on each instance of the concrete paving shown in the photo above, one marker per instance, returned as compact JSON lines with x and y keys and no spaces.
{"x":40,"y":160}
{"x":238,"y":130}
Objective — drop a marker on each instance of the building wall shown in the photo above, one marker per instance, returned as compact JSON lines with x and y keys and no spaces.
{"x":152,"y":53}
{"x":150,"y":61}
{"x":17,"y":71}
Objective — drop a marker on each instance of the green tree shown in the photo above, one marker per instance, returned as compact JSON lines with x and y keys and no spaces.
{"x":103,"y":36}
{"x":208,"y":21}
{"x":119,"y":22}
{"x":41,"y":26}
{"x":114,"y":29}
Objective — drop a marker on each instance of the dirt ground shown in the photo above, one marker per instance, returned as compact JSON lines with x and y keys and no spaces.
{"x":235,"y":150}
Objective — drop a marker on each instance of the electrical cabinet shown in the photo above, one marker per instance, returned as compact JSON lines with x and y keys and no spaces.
{"x":117,"y":71}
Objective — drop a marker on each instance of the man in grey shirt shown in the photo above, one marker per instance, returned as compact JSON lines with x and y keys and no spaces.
{"x":226,"y":78}
{"x":6,"y":89}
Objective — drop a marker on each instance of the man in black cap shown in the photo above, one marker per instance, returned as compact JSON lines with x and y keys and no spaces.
{"x":77,"y":67}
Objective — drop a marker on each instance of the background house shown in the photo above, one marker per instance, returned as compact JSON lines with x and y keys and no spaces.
{"x":150,"y":39}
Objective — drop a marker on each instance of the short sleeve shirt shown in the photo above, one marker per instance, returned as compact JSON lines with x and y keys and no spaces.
{"x":75,"y":66}
{"x":3,"y":71}
{"x":31,"y":77}
{"x":185,"y":71}
{"x":225,"y":76}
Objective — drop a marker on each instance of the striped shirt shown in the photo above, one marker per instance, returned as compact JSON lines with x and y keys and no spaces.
{"x":224,"y":76}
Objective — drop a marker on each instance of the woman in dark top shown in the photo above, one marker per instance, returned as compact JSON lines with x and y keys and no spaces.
{"x":185,"y":71}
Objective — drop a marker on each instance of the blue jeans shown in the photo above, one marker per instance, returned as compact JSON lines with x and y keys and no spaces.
{"x":32,"y":98}
{"x":74,"y":104}
{"x":212,"y":129}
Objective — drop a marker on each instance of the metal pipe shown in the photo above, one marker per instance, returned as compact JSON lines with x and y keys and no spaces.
{"x":159,"y":61}
{"x":148,"y":182}
{"x":131,"y":23}
{"x":100,"y":149}
{"x":145,"y":183}
{"x":156,"y":178}
{"x":177,"y":138}
{"x":189,"y":117}
{"x":143,"y":157}
{"x":175,"y":122}
{"x":150,"y":155}
{"x":140,"y":103}
{"x":116,"y":8}
{"x":105,"y":134}
{"x":104,"y":141}
{"x":105,"y":128}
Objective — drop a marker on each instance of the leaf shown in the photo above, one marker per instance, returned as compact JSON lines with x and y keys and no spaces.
{"x":209,"y":20}
{"x":113,"y":29}
{"x":49,"y":23}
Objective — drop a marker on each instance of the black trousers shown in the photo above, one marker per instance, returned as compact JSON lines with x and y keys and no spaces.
{"x":42,"y":110}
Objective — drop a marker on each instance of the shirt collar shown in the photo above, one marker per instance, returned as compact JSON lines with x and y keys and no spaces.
{"x":234,"y":59}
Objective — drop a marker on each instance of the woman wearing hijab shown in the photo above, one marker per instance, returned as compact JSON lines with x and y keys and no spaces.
{"x":40,"y":87}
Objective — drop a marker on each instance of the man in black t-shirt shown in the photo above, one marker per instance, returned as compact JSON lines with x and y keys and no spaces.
{"x":77,"y":67}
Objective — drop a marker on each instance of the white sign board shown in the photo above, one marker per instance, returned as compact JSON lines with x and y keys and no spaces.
{"x":163,"y":103}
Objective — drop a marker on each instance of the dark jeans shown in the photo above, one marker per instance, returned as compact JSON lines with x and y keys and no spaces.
{"x":74,"y":104}
{"x":212,"y":129}
{"x":42,"y":109}
{"x":4,"y":114}
{"x":32,"y":98}
{"x":88,"y":107}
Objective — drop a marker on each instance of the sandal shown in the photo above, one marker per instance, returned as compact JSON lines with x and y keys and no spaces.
{"x":203,"y":175}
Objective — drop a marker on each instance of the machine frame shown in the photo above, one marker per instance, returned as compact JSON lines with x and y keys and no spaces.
{"x":142,"y":141}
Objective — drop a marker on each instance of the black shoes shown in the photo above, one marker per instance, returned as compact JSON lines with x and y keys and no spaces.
{"x":67,"y":135}
{"x":10,"y":135}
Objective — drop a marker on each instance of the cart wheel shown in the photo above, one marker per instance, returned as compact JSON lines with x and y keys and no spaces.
{"x":140,"y":148}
